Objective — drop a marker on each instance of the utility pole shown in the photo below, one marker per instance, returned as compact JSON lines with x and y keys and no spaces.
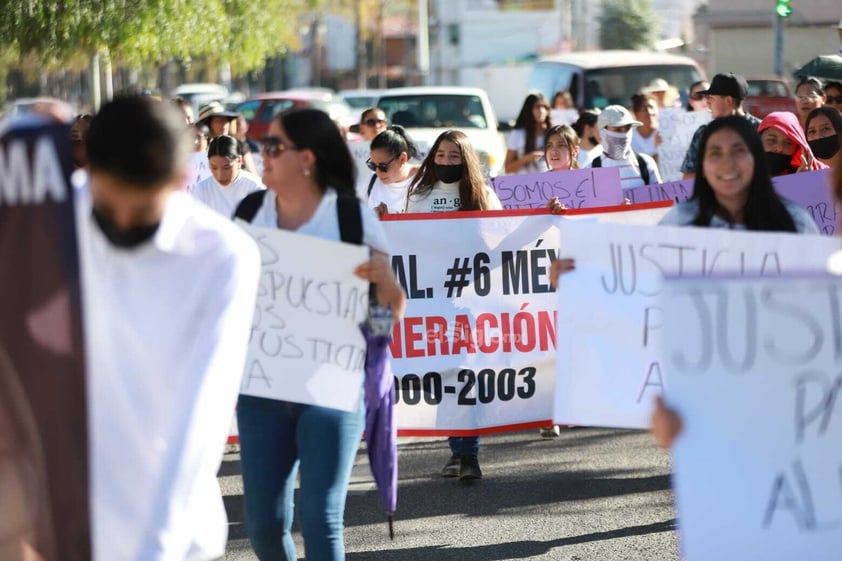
{"x":779,"y":45}
{"x":362,"y":67}
{"x":423,"y":48}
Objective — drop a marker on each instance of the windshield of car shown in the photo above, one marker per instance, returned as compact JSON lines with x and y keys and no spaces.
{"x":435,"y":111}
{"x":615,"y":86}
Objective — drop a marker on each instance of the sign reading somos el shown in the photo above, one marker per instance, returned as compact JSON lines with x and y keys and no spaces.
{"x":753,"y":369}
{"x":306,"y":345}
{"x":610,"y":324}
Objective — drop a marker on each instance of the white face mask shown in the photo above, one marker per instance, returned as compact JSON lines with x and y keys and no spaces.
{"x":616,"y":145}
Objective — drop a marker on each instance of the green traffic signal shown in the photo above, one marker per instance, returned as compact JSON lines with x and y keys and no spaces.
{"x":784,"y":8}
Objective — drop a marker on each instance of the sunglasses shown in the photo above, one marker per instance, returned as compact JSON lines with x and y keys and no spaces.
{"x":273,"y":146}
{"x":382,"y":167}
{"x":374,"y":122}
{"x":697,"y":96}
{"x":834,"y":99}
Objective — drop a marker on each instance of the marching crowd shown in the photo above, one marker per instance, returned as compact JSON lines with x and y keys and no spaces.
{"x":141,"y":235}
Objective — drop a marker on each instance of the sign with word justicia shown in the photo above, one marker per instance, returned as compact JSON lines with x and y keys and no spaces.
{"x":610,"y":323}
{"x":753,"y":370}
{"x":306,"y":345}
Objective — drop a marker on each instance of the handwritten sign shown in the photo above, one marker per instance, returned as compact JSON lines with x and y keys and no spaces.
{"x":754,"y":372}
{"x":676,"y":191}
{"x":676,"y":127}
{"x":198,"y":169}
{"x":306,"y":345}
{"x":610,"y":324}
{"x":811,"y":190}
{"x":590,"y":187}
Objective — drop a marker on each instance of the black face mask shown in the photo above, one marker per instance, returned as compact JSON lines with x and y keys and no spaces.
{"x":125,"y":239}
{"x":447,"y":174}
{"x":826,"y":147}
{"x":593,"y":140}
{"x":777,"y":163}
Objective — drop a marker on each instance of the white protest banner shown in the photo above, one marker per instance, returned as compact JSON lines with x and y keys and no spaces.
{"x":198,"y":169}
{"x":753,"y":370}
{"x":610,"y":323}
{"x":676,"y":127}
{"x":475,"y":350}
{"x":646,"y":214}
{"x":306,"y":345}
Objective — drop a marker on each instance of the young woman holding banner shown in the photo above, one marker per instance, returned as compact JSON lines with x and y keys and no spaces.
{"x":450,"y":179}
{"x":391,"y":157}
{"x":307,"y":167}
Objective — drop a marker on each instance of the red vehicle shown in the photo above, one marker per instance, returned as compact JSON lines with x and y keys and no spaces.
{"x":767,"y":94}
{"x":259,"y":109}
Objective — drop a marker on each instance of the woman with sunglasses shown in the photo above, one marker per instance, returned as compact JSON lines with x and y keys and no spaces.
{"x":307,"y":167}
{"x":809,"y":94}
{"x":695,"y":100}
{"x":228,"y":183}
{"x":372,"y":123}
{"x":391,"y":152}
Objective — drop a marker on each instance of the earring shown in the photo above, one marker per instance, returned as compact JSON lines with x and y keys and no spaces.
{"x":306,"y":172}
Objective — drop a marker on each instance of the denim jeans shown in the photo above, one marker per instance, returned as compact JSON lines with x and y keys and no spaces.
{"x":277,"y":437}
{"x":464,"y":445}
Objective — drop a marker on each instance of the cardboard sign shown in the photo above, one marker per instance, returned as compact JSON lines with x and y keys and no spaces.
{"x":44,"y":511}
{"x":306,"y":345}
{"x":753,"y":370}
{"x":610,"y":323}
{"x":578,"y":188}
{"x":676,"y":128}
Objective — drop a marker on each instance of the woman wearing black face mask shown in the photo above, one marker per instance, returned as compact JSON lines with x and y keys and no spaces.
{"x":450,"y":179}
{"x":587,"y":129}
{"x":823,"y":126}
{"x":784,"y":145}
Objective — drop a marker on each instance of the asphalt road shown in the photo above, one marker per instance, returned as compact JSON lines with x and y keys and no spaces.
{"x":592,"y":494}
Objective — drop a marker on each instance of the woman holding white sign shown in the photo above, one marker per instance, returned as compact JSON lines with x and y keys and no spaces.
{"x":307,"y":167}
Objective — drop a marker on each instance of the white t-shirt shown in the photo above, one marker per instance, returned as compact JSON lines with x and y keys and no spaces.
{"x":324,"y":223}
{"x":444,"y":197}
{"x":517,"y":142}
{"x":630,"y":171}
{"x":166,"y":332}
{"x":642,"y":144}
{"x":393,"y":194}
{"x":586,"y":156}
{"x":224,"y":199}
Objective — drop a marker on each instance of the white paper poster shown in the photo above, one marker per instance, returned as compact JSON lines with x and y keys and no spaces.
{"x":610,"y":322}
{"x":306,"y":345}
{"x":753,"y":370}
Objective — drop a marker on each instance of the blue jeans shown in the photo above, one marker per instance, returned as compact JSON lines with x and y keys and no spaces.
{"x":464,"y":445}
{"x":275,"y":438}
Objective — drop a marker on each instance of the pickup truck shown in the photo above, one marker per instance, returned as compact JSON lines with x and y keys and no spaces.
{"x":767,"y":94}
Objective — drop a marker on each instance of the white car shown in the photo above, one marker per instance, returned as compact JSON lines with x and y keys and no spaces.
{"x":426,"y":112}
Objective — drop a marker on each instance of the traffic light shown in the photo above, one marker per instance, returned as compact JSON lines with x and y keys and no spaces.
{"x":784,"y":8}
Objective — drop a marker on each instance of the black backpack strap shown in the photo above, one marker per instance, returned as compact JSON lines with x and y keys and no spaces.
{"x":371,"y":183}
{"x":248,"y":207}
{"x":644,"y":169}
{"x":596,"y":162}
{"x":350,"y":218}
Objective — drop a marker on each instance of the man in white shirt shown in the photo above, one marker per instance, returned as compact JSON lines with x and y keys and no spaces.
{"x":168,"y":291}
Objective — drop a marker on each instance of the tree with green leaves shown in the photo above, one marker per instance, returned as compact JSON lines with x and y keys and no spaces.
{"x":628,"y":24}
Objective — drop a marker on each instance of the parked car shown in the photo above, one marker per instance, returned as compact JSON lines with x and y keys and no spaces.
{"x":361,"y":99}
{"x":426,"y":112}
{"x":601,"y":78}
{"x":259,"y":109}
{"x":767,"y":94}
